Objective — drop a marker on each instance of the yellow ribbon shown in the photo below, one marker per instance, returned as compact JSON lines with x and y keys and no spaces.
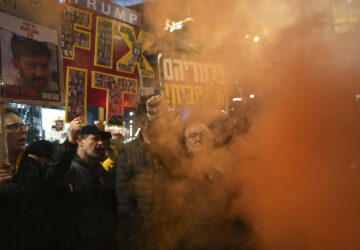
{"x":18,"y":160}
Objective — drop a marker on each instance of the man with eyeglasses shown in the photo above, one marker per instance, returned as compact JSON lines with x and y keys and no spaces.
{"x":21,"y":195}
{"x":197,"y":138}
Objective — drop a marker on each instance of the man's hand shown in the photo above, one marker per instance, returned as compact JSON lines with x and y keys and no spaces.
{"x":5,"y":175}
{"x":155,"y":106}
{"x":75,"y":128}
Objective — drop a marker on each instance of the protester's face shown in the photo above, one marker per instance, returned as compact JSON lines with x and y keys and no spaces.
{"x":93,"y":146}
{"x":34,"y":70}
{"x":196,"y":138}
{"x":16,"y":133}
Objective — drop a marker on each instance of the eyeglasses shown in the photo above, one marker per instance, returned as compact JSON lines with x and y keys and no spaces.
{"x":17,"y":126}
{"x":194,"y":136}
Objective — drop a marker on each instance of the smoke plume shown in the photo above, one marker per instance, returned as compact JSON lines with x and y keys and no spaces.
{"x":293,"y":180}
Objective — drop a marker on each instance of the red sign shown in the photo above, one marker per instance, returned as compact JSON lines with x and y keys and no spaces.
{"x":106,"y":55}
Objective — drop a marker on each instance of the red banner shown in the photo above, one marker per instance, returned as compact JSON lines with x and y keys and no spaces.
{"x":110,"y":54}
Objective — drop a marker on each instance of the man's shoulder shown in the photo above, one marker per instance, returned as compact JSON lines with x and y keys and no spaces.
{"x":67,"y":145}
{"x":77,"y":163}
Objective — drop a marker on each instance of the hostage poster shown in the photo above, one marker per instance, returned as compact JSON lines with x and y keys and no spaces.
{"x":103,"y":55}
{"x":28,"y":62}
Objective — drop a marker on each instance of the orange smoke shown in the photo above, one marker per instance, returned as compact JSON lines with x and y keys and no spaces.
{"x":301,"y":189}
{"x":296,"y":176}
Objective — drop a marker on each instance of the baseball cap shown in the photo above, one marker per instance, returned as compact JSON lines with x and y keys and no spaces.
{"x":94,"y":130}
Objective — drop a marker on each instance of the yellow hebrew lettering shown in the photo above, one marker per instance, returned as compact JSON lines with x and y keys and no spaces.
{"x":175,"y":94}
{"x":191,"y":97}
{"x":199,"y":90}
{"x":167,"y":93}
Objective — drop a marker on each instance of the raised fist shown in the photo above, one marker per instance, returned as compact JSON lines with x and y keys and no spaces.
{"x":156,"y":106}
{"x":75,"y":128}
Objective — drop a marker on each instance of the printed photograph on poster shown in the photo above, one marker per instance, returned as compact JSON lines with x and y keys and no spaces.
{"x":104,"y":43}
{"x":137,"y":45}
{"x":76,"y":89}
{"x":117,"y":86}
{"x":29,"y":68}
{"x":29,"y":63}
{"x":70,"y":37}
{"x":53,"y":123}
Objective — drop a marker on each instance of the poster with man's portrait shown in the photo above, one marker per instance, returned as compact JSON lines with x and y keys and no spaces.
{"x":29,"y":67}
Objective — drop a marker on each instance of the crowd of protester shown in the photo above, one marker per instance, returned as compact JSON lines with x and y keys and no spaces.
{"x":163,"y":190}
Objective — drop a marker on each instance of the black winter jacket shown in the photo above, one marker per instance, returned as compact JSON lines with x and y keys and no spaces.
{"x":65,"y":152}
{"x":91,"y":206}
{"x":22,"y":217}
{"x":57,"y":193}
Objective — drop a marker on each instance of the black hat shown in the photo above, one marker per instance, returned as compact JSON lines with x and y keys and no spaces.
{"x":94,"y":130}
